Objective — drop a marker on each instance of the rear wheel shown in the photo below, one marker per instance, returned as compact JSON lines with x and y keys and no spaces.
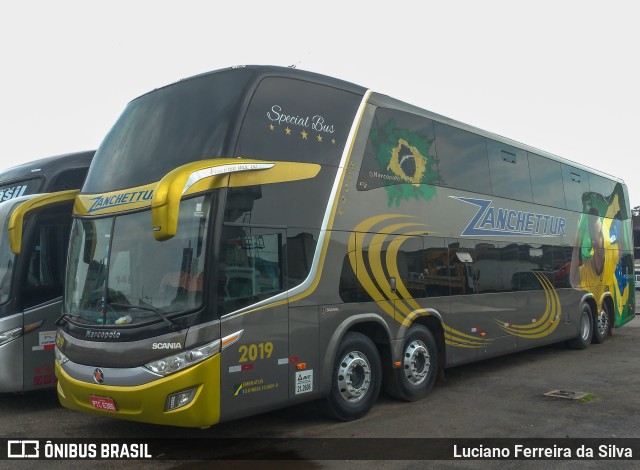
{"x":602,"y":325}
{"x":356,"y":378}
{"x":585,"y":330}
{"x":417,"y":373}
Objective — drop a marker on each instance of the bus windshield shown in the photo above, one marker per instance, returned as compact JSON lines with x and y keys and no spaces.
{"x":7,"y":257}
{"x":118,"y":274}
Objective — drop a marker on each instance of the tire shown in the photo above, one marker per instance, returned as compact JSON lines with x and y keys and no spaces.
{"x":602,"y":322}
{"x":356,"y":378}
{"x":585,"y":329}
{"x":415,"y":377}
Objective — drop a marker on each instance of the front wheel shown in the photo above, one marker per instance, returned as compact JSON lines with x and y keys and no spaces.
{"x":602,"y":325}
{"x":585,"y":331}
{"x":356,"y":378}
{"x":419,"y":367}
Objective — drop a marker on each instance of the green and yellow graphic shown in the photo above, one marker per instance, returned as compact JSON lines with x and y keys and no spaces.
{"x":405,"y":154}
{"x":547,"y":323}
{"x":375,"y":265}
{"x":601,"y":262}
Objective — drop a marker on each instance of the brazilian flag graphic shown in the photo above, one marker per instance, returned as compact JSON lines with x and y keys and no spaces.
{"x":405,"y":155}
{"x":612,"y":207}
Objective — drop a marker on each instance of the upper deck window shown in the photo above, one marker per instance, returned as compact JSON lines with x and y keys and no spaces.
{"x":462,"y":159}
{"x":509,"y":171}
{"x":294,"y":120}
{"x":576,"y":184}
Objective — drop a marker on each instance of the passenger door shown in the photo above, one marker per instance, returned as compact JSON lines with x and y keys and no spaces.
{"x":255,"y":355}
{"x":41,"y":284}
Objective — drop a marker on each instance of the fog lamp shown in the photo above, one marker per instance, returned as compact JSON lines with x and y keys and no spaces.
{"x":180,"y":399}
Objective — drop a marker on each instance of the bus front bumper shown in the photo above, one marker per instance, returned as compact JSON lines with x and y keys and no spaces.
{"x":146,"y":403}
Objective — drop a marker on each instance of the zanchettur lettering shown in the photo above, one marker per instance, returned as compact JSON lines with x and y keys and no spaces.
{"x":131,"y":197}
{"x":490,"y":220}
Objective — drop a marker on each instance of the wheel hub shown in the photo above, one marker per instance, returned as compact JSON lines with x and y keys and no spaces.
{"x":603,"y":321}
{"x":354,"y":376}
{"x":417,"y":362}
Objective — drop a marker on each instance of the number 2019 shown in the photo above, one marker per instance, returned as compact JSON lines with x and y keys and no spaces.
{"x":255,"y":351}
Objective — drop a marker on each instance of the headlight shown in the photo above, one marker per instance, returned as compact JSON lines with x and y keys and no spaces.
{"x":10,"y":335}
{"x":61,"y":358}
{"x":184,"y":359}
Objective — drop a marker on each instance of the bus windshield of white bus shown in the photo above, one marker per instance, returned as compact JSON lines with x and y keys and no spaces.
{"x":119,"y":274}
{"x":7,"y":257}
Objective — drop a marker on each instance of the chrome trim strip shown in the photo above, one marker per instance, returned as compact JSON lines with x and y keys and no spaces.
{"x":222,"y":170}
{"x":124,"y":377}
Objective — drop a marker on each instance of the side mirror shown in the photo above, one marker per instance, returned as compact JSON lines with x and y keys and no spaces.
{"x":16,"y":219}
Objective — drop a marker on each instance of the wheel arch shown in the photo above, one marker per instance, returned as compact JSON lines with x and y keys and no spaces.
{"x":432,"y":320}
{"x":589,"y":299}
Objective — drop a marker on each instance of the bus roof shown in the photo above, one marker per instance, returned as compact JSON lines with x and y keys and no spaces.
{"x":49,"y":166}
{"x":262,"y":71}
{"x":378,"y":99}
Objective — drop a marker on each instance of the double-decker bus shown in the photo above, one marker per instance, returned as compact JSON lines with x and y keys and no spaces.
{"x":36,"y":201}
{"x":258,"y":236}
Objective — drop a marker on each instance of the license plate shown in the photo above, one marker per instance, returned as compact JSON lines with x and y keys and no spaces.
{"x":103,"y":403}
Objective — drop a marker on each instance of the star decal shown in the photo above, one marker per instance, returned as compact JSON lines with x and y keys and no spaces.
{"x":304,"y":135}
{"x":333,"y":141}
{"x":271,"y":127}
{"x":319,"y":137}
{"x":287,"y":131}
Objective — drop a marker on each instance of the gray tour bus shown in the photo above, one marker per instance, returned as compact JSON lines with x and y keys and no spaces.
{"x":259,"y":236}
{"x":36,"y":200}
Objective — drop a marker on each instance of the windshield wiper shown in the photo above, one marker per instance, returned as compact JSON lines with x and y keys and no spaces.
{"x":167,"y":320}
{"x":65,"y":316}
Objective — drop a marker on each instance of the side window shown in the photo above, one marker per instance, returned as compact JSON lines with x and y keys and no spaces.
{"x":301,"y":247}
{"x":509,"y":168}
{"x":600,"y":185}
{"x":496,"y":265}
{"x":422,"y":266}
{"x":43,"y":276}
{"x":460,"y":266}
{"x":253,"y":205}
{"x":410,"y":264}
{"x":251,"y":267}
{"x":462,"y":159}
{"x":400,"y":155}
{"x":546,"y":181}
{"x":561,"y":265}
{"x":348,"y":286}
{"x":69,"y":179}
{"x":576,"y":185}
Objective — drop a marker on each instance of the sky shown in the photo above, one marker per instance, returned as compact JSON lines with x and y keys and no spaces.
{"x":561,"y":76}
